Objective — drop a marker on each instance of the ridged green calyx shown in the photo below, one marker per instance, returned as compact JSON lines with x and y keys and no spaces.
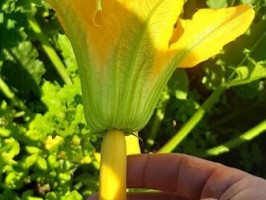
{"x":128,"y":49}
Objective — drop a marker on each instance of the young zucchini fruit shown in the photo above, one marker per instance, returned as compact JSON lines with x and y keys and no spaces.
{"x":132,"y":144}
{"x":113,"y":166}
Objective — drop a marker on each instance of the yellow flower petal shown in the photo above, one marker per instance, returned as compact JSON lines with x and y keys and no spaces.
{"x":90,"y":27}
{"x":117,"y":18}
{"x":208,"y":31}
{"x":116,"y":47}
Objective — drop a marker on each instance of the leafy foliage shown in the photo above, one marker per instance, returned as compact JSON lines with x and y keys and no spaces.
{"x":45,"y":146}
{"x":46,"y":150}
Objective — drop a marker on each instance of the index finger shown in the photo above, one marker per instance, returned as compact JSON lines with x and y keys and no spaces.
{"x":184,"y":175}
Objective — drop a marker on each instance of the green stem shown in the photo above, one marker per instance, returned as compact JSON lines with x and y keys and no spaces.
{"x":227,"y":146}
{"x":155,"y":126}
{"x":192,"y":122}
{"x":159,"y":116}
{"x":51,"y":53}
{"x":233,"y":2}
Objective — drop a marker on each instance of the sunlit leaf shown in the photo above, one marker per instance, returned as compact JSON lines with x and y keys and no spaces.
{"x":217,"y":3}
{"x":23,"y":70}
{"x":247,"y":74}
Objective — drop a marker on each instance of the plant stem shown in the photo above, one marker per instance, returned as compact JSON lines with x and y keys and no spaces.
{"x":227,"y":146}
{"x":113,"y":166}
{"x":159,"y":116}
{"x":233,"y":3}
{"x":192,"y":122}
{"x":49,"y":50}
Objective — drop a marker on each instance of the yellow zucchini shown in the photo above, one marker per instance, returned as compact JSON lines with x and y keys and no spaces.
{"x":113,"y":166}
{"x":132,"y":144}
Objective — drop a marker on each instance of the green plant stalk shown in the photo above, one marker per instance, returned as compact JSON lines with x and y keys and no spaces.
{"x":113,"y":166}
{"x":227,"y":146}
{"x":192,"y":122}
{"x":159,"y":116}
{"x":155,"y":126}
{"x":233,"y":2}
{"x":49,"y":50}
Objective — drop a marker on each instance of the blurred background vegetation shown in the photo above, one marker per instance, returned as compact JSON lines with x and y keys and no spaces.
{"x":46,"y":150}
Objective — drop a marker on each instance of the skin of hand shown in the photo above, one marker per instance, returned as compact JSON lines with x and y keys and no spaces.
{"x":183,"y":177}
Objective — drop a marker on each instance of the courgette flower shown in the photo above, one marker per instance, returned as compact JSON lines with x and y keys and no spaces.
{"x":128,"y":49}
{"x":126,"y":52}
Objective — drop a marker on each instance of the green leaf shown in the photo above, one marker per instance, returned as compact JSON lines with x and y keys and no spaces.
{"x":12,"y":179}
{"x":248,"y":74}
{"x":30,"y":160}
{"x":4,"y":132}
{"x":9,"y":148}
{"x":41,"y":163}
{"x":23,"y":64}
{"x":74,"y":195}
{"x":32,"y":150}
{"x":11,"y":32}
{"x":52,"y":161}
{"x":51,"y":196}
{"x":217,"y":3}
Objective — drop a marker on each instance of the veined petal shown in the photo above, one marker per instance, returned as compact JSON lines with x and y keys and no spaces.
{"x":160,"y":17}
{"x":104,"y":27}
{"x":90,"y":27}
{"x":208,"y":31}
{"x":117,"y":47}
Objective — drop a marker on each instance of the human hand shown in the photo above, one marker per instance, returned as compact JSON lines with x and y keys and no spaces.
{"x":183,"y":177}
